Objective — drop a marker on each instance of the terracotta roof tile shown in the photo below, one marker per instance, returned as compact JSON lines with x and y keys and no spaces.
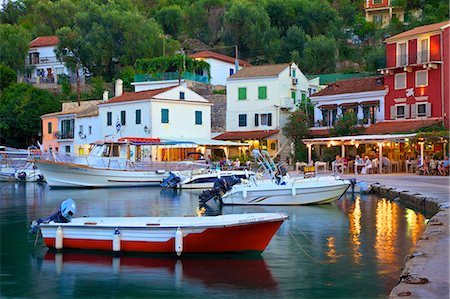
{"x":399,"y":126}
{"x":136,"y":96}
{"x":78,"y":111}
{"x":353,"y":85}
{"x":44,"y":41}
{"x":270,"y":70}
{"x":239,"y":135}
{"x":218,"y":56}
{"x":418,"y":30}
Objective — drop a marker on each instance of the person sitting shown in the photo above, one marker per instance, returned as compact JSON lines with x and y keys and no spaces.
{"x":375,"y":164}
{"x":337,"y":165}
{"x":358,"y":163}
{"x":367,"y":165}
{"x":432,"y":166}
{"x":237,"y":164}
{"x":442,"y":168}
{"x":386,"y":163}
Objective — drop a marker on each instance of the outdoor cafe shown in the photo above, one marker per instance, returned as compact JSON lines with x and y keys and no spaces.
{"x":404,"y":152}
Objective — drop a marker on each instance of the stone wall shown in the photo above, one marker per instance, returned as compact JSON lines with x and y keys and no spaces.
{"x":218,"y":112}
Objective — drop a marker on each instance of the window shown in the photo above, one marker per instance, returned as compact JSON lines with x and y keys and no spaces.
{"x":293,"y":95}
{"x":198,"y":118}
{"x":369,"y":114}
{"x":262,"y":92}
{"x":109,"y":118}
{"x":422,"y":51}
{"x":377,"y":1}
{"x":400,"y":111}
{"x":422,"y":109}
{"x":59,"y":70}
{"x":400,"y":81}
{"x":165,"y":116}
{"x":242,"y":120}
{"x":67,"y":148}
{"x":231,"y":72}
{"x":40,"y":72}
{"x":329,"y":117}
{"x":67,"y":129}
{"x":266,"y":119}
{"x":378,"y":19}
{"x":421,"y":78}
{"x":138,"y":116}
{"x":294,"y":73}
{"x":242,"y":93}
{"x":181,"y":95}
{"x":123,"y":120}
{"x":402,"y":54}
{"x":81,"y":129}
{"x":49,"y":128}
{"x":90,"y":130}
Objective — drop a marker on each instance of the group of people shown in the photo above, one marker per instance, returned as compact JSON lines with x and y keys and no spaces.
{"x":433,"y":167}
{"x":362,"y":166}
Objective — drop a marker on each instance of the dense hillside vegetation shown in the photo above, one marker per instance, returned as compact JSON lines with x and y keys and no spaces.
{"x":109,"y":36}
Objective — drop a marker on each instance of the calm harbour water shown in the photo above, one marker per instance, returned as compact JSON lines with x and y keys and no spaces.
{"x":353,"y":248}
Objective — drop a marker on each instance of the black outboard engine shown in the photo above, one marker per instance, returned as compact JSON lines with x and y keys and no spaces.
{"x":22,"y":176}
{"x":221,"y":186}
{"x":171,"y":181}
{"x":64,"y":215}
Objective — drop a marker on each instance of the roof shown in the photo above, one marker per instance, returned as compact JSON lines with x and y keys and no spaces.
{"x":353,"y":85}
{"x":44,"y":41}
{"x":358,"y":138}
{"x":218,"y":56}
{"x":418,"y":30}
{"x":328,"y":78}
{"x":136,"y":96}
{"x":81,"y":111}
{"x":239,"y":135}
{"x":270,"y":70}
{"x":397,"y":126}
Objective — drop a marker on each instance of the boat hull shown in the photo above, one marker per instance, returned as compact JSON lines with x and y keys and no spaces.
{"x":245,"y":234}
{"x":206,"y":180}
{"x":290,"y":194}
{"x":74,"y":175}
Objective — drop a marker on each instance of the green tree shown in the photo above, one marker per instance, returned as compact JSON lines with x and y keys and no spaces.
{"x":375,"y":58}
{"x":294,"y":40}
{"x":14,"y":46}
{"x":171,"y":19}
{"x":319,"y":55}
{"x":297,"y":128}
{"x":7,"y":76}
{"x":21,"y":106}
{"x":346,"y":125}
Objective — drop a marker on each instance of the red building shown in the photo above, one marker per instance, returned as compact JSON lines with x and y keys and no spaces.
{"x":417,"y":75}
{"x":382,"y":12}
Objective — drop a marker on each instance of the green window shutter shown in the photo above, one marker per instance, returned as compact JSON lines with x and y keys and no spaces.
{"x":242,"y":120}
{"x":109,"y":118}
{"x":303,"y":96}
{"x":293,"y":95}
{"x":138,"y":116}
{"x":262,"y":92}
{"x":256,"y":119}
{"x":198,"y":118}
{"x":123,"y":120}
{"x":294,"y":73}
{"x":269,"y":119}
{"x":165,"y":116}
{"x":49,"y":131}
{"x":242,"y":93}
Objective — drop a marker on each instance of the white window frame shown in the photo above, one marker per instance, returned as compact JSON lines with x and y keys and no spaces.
{"x":261,"y":119}
{"x":424,"y":71}
{"x":419,"y":49}
{"x":397,"y":80}
{"x":417,"y":109}
{"x":396,"y":110}
{"x":398,"y":52}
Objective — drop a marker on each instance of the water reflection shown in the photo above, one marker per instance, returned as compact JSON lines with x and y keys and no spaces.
{"x":354,"y":218}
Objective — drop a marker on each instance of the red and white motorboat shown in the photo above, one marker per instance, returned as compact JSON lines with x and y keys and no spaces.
{"x":210,"y":234}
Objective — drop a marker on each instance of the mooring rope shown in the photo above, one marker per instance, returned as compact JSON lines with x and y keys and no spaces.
{"x":306,"y":253}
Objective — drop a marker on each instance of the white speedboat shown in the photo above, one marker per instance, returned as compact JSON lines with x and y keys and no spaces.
{"x":14,"y":165}
{"x":280,"y":189}
{"x":234,"y":233}
{"x":201,"y":178}
{"x":109,"y":164}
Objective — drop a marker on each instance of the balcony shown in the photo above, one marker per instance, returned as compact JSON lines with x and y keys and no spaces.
{"x":287,"y":103}
{"x":61,"y":135}
{"x":34,"y":60}
{"x":171,"y":76}
{"x":423,"y":57}
{"x":402,"y":60}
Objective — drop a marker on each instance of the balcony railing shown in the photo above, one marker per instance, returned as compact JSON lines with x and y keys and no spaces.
{"x":41,"y":60}
{"x":287,"y":103}
{"x":63,"y":135}
{"x":171,"y":76}
{"x":423,"y":57}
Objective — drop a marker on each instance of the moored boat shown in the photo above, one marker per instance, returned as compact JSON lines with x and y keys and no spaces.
{"x":235,"y":233}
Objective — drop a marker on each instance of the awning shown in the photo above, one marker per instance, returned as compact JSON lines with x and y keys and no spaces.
{"x":361,"y":139}
{"x":370,"y":103}
{"x":328,"y":106}
{"x":243,"y":135}
{"x":211,"y":142}
{"x":348,"y":104}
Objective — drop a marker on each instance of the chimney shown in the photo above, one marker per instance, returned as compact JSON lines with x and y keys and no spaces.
{"x":119,"y":88}
{"x":105,"y":95}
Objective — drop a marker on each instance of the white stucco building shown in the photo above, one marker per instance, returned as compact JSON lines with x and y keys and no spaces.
{"x":363,"y":96}
{"x":221,"y":66}
{"x":259,"y":99}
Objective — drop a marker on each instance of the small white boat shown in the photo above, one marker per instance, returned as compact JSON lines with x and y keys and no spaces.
{"x":236,"y":233}
{"x":280,"y":189}
{"x":14,"y":165}
{"x":109,"y":164}
{"x":201,"y":178}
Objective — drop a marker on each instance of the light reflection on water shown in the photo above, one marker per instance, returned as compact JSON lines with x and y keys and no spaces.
{"x":351,"y":249}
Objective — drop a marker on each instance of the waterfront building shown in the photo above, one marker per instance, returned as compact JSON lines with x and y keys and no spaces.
{"x":221,"y":66}
{"x":44,"y":65}
{"x":382,"y":12}
{"x":259,"y":100}
{"x":417,"y":76}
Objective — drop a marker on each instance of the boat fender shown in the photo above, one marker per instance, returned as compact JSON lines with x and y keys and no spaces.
{"x":178,"y":241}
{"x":294,"y":191}
{"x":59,"y":239}
{"x":116,"y":240}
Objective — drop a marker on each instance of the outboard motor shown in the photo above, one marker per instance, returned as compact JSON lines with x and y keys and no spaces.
{"x":64,"y":215}
{"x":171,"y":181}
{"x":221,"y":186}
{"x":22,"y":176}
